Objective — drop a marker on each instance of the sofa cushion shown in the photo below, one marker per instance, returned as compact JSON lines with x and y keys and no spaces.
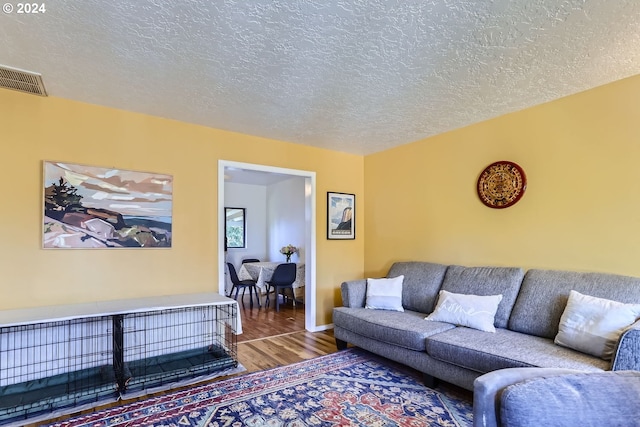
{"x":503,"y":281}
{"x":483,"y":352}
{"x":544,"y":294}
{"x":406,"y":329}
{"x":594,"y":325}
{"x":422,"y":281}
{"x":384,"y":294}
{"x":472,"y":311}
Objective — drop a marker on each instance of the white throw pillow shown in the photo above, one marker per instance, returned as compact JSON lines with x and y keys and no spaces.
{"x":385,"y":294}
{"x":594,"y":325}
{"x":472,"y":311}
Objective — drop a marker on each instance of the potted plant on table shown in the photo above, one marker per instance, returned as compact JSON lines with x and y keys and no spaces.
{"x":288,"y":251}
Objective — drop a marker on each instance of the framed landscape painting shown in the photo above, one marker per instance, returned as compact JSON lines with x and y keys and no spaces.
{"x":88,"y":207}
{"x":341,"y":216}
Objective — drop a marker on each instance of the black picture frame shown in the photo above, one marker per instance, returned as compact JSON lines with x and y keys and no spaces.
{"x":341,"y":216}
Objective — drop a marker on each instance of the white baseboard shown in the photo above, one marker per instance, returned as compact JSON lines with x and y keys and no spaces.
{"x":320,"y":328}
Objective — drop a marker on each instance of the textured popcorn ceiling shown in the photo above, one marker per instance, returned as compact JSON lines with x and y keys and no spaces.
{"x":356,"y":76}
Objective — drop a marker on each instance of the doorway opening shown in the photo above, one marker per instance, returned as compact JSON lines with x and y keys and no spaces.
{"x":228,"y":168}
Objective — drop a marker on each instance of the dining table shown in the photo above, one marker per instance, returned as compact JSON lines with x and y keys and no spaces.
{"x":261,"y":272}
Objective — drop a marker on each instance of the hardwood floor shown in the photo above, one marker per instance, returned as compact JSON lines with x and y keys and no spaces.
{"x":258,"y":323}
{"x":285,"y":349}
{"x":271,"y":338}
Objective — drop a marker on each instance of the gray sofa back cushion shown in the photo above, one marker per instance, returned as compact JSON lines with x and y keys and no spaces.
{"x":544,"y":294}
{"x":503,"y":281}
{"x":422,"y":281}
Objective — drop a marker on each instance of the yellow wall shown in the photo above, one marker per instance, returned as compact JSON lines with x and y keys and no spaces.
{"x":34,"y":129}
{"x":581,"y":210}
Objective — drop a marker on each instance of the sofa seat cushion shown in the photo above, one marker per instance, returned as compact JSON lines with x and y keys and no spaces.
{"x":406,"y":329}
{"x":484,"y":352}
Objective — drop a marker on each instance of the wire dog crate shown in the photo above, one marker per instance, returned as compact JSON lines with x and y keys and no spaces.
{"x":54,"y":365}
{"x":172,"y":345}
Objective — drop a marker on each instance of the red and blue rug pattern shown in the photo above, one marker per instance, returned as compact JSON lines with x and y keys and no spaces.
{"x":348,"y":388}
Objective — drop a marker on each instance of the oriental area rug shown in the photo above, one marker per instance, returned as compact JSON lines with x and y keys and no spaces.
{"x":348,"y":388}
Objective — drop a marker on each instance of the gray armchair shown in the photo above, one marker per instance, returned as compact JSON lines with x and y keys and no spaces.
{"x":533,"y":397}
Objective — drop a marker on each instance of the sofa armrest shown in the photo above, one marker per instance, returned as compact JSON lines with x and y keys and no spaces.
{"x":354,"y":293}
{"x":627,"y":354}
{"x":487,"y":390}
{"x":592,"y":399}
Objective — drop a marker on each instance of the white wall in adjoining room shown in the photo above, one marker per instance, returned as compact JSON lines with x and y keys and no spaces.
{"x":286,"y":218}
{"x":254,"y":199}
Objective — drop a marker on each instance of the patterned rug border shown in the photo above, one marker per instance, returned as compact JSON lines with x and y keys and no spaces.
{"x":200,"y":397}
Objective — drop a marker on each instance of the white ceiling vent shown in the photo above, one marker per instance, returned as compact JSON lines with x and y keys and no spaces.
{"x":24,"y":81}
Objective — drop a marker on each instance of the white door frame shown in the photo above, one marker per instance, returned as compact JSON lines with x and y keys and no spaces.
{"x":310,"y":235}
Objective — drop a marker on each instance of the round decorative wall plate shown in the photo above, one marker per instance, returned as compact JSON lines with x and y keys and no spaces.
{"x":501,"y":184}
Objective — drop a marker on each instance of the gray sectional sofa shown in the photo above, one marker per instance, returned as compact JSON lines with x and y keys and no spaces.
{"x":526,"y":321}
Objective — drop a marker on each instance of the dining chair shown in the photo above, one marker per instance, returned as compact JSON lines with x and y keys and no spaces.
{"x":244,"y":284}
{"x":250,"y":260}
{"x":283,"y":277}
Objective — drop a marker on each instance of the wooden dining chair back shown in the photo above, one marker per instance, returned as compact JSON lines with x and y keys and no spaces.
{"x":283,"y":278}
{"x":242,"y":284}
